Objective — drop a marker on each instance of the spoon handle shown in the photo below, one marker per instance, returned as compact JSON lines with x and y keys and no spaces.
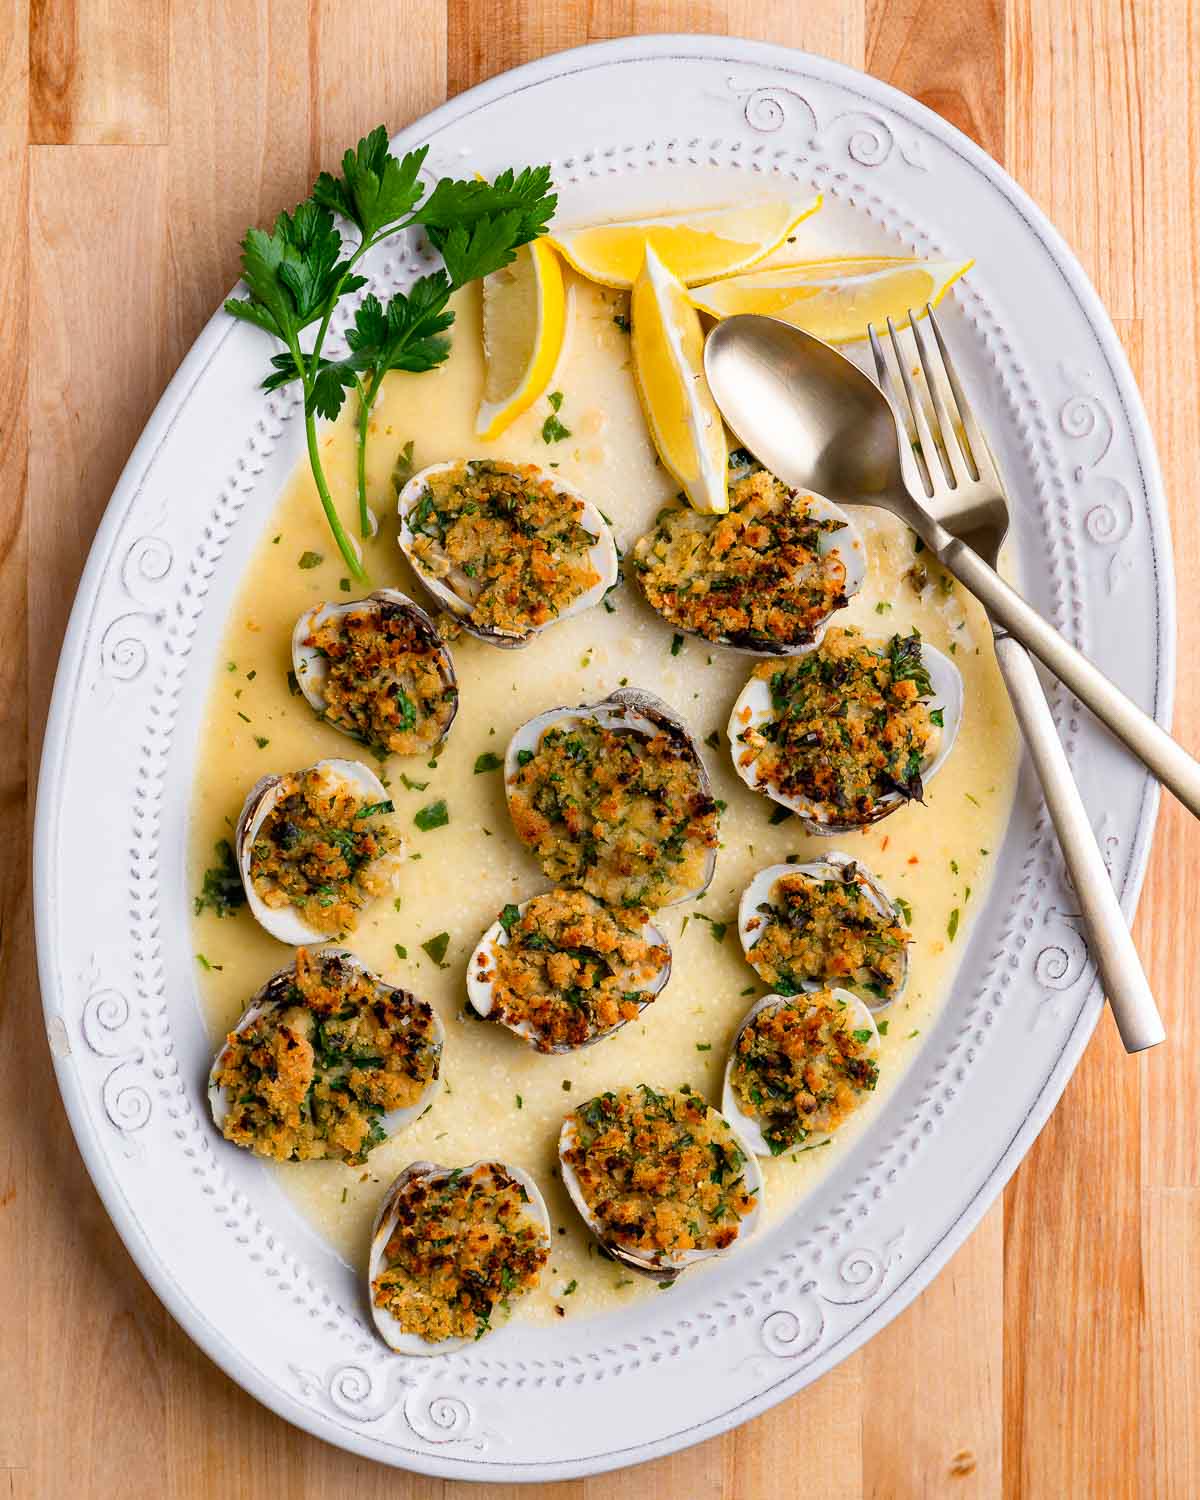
{"x":1153,"y":746}
{"x":1117,"y":963}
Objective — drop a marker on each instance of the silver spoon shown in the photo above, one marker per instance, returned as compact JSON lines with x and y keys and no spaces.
{"x":818,"y":422}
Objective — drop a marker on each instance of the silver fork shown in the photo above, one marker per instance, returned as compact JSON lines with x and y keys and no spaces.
{"x":950,"y":474}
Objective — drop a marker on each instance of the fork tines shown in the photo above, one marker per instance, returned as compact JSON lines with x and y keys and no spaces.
{"x":942,"y":422}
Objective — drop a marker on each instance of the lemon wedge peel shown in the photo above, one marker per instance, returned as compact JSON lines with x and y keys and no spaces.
{"x":703,"y":246}
{"x":533,"y":283}
{"x":834,"y":299}
{"x":668,"y":367}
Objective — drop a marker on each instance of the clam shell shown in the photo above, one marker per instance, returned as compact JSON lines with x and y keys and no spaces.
{"x":274,"y":996}
{"x":746,"y":1127}
{"x":482,"y":966}
{"x":819,"y":818}
{"x":285,"y":922}
{"x":630,"y":709}
{"x":847,"y":542}
{"x":385,"y":1219}
{"x":312,"y":669}
{"x":603,"y":558}
{"x":666,"y":1265}
{"x":832,"y":866}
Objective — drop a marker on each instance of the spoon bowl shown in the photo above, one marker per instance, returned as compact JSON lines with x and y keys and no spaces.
{"x":805,"y":411}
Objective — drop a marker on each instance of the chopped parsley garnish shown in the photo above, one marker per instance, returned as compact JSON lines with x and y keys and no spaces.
{"x":436,"y":949}
{"x":434,"y":815}
{"x":373,"y":810}
{"x":310,"y":560}
{"x":222,"y":891}
{"x":952,"y":925}
{"x":487,"y":762}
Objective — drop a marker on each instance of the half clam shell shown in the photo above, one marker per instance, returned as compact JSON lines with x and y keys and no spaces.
{"x":602,"y":556}
{"x":746,"y":1125}
{"x":481,"y":972}
{"x":311,"y":667}
{"x":285,"y":922}
{"x":390,"y":1330}
{"x":662,"y":1265}
{"x":628,"y":710}
{"x":836,"y":867}
{"x":754,"y":709}
{"x":279,"y":993}
{"x":847,"y":542}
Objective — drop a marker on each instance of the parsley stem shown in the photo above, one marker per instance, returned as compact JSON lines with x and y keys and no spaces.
{"x":365,"y":404}
{"x":345,"y":545}
{"x":360,"y":446}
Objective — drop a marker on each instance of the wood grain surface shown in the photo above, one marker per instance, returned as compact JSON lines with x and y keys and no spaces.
{"x":1058,"y":1355}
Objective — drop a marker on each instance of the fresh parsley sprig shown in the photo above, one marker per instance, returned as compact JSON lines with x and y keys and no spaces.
{"x":296,"y":273}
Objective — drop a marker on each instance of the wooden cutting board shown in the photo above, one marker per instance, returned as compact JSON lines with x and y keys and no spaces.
{"x":1059,"y":1354}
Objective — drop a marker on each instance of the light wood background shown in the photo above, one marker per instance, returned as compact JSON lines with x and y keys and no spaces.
{"x":1059,"y":1353}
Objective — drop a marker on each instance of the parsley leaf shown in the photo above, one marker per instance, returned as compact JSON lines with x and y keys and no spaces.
{"x":436,"y":815}
{"x":478,"y":226}
{"x":293,"y":272}
{"x":222,"y":891}
{"x":436,"y":948}
{"x":375,"y":191}
{"x":406,"y":334}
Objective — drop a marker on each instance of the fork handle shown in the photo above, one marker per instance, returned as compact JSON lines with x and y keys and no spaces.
{"x":1153,"y":746}
{"x":1117,"y":963}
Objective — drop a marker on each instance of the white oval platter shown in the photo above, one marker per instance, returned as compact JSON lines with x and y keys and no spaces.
{"x":640,"y":124}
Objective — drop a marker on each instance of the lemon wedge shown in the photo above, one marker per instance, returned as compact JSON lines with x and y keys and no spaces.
{"x":696,"y":246}
{"x":834,"y":299}
{"x":524,"y":315}
{"x":668,"y":366}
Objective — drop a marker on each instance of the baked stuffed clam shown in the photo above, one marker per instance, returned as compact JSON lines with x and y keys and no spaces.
{"x":377,"y":670}
{"x":764,"y":577}
{"x":824,"y":922}
{"x":327,"y":1060}
{"x":562,"y":971}
{"x":508,"y":549}
{"x":314,"y":847}
{"x":849,"y":730}
{"x":799,"y":1066}
{"x":453,"y":1249}
{"x":613,"y":797}
{"x":660,"y":1178}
